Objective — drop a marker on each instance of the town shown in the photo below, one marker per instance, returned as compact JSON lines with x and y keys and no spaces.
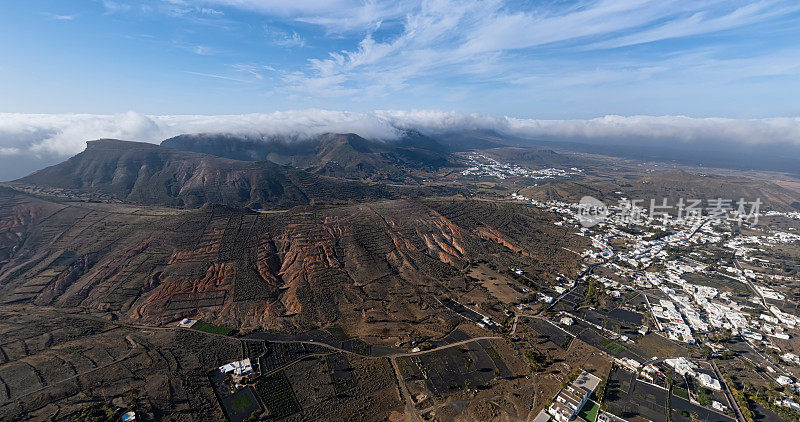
{"x":710,"y":282}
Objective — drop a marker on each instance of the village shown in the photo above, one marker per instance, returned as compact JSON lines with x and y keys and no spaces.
{"x":704,"y":281}
{"x":481,"y":165}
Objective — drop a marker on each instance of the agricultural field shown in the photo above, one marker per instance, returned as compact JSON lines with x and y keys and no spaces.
{"x":52,"y":359}
{"x":549,"y":330}
{"x":212,"y":329}
{"x":241,"y":405}
{"x":453,"y":369}
{"x":634,"y":400}
{"x":276,"y":392}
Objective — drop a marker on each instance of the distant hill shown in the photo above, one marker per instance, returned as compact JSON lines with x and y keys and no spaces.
{"x":674,"y":185}
{"x":150,"y":174}
{"x":537,"y":157}
{"x":337,"y":155}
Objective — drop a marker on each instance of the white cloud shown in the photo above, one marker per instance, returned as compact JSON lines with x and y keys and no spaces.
{"x":479,"y":38}
{"x":637,"y":130}
{"x":283,"y":38}
{"x":334,"y":15}
{"x":398,"y":44}
{"x":703,"y":22}
{"x":202,"y":50}
{"x":215,"y":76}
{"x":66,"y":134}
{"x":61,"y":17}
{"x":211,"y":12}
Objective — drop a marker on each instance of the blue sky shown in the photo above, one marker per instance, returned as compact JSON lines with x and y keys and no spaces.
{"x":549,"y":59}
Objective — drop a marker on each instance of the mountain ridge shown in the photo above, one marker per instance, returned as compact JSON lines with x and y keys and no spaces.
{"x":155,"y":175}
{"x":344,"y":155}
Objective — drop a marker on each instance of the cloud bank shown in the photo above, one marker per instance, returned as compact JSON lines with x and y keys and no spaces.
{"x":66,"y":134}
{"x":52,"y":137}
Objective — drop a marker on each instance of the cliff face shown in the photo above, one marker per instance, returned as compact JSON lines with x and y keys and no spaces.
{"x":370,"y":267}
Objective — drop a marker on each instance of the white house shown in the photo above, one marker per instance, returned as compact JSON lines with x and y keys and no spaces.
{"x":238,"y":369}
{"x":571,"y":399}
{"x":709,"y":382}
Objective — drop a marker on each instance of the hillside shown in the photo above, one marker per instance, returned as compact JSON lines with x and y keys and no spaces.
{"x":337,"y":155}
{"x":376,"y":269}
{"x":150,"y":174}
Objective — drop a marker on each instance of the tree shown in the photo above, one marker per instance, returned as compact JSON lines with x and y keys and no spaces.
{"x":537,"y":360}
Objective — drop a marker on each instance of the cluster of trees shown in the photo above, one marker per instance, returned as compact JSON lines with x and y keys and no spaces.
{"x":741,"y":399}
{"x":595,"y":293}
{"x":768,"y":396}
{"x":537,"y":361}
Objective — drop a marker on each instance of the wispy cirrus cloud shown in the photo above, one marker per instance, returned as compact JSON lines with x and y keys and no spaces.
{"x":377,"y":48}
{"x":284,"y":38}
{"x":704,"y":22}
{"x":215,"y":76}
{"x":489,"y":39}
{"x":58,"y":17}
{"x":336,"y":16}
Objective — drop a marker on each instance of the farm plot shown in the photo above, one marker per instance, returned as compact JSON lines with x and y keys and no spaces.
{"x":502,"y":369}
{"x":210,"y":328}
{"x":241,"y":404}
{"x":249,"y":284}
{"x":276,"y":355}
{"x":341,"y":372}
{"x":618,"y":320}
{"x":462,"y":310}
{"x":680,"y":405}
{"x":277,"y":395}
{"x":626,"y":316}
{"x":372,"y":395}
{"x":51,"y":358}
{"x":571,"y":300}
{"x":253,"y":348}
{"x":453,"y":369}
{"x":555,"y":334}
{"x":633,"y":399}
{"x":195,"y":300}
{"x":591,"y":336}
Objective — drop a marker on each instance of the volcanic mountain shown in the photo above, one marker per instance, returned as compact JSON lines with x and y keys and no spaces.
{"x":338,"y":155}
{"x":155,"y":175}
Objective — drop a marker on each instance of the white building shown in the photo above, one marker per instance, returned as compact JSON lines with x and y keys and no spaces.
{"x":681,"y":365}
{"x":571,"y":399}
{"x":238,"y":369}
{"x":709,"y":382}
